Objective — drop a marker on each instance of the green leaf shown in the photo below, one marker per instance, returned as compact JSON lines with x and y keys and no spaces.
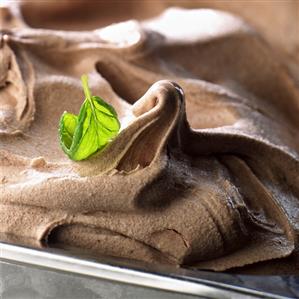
{"x":89,"y":132}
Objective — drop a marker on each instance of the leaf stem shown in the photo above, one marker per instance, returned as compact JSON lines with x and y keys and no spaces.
{"x":84,"y":80}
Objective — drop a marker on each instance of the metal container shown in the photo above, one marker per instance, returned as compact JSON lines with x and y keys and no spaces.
{"x":27,"y":272}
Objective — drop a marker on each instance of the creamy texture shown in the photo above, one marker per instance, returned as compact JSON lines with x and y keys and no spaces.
{"x":87,"y":15}
{"x":205,"y":170}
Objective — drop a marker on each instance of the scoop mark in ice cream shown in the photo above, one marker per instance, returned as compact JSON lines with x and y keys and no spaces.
{"x":89,"y":132}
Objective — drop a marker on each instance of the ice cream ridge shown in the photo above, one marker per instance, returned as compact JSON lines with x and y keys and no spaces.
{"x":204,"y":172}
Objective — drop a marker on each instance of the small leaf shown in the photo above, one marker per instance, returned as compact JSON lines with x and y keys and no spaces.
{"x":89,"y":132}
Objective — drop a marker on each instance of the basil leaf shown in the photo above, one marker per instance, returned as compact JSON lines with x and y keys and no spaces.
{"x":89,"y":132}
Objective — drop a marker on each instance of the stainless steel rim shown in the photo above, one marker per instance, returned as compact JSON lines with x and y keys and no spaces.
{"x":68,"y":263}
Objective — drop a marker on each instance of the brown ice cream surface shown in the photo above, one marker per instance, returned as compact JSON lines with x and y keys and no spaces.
{"x":204,"y":172}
